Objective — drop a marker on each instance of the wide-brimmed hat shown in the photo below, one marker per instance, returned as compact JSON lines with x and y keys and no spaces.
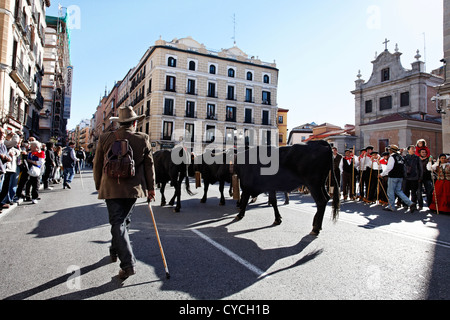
{"x":126,"y":114}
{"x":394,"y":148}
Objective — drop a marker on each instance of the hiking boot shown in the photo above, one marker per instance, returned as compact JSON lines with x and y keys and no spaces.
{"x":127,"y":272}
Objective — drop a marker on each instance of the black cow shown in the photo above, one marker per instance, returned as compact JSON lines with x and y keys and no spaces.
{"x":216,"y":169}
{"x":167,"y":170}
{"x":302,"y":164}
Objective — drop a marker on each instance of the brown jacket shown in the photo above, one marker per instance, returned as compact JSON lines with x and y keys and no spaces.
{"x":135,"y":187}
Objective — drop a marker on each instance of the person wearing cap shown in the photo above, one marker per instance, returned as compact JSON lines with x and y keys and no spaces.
{"x":395,"y":171}
{"x":120,"y":196}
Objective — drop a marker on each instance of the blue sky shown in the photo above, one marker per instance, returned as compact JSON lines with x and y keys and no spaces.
{"x":318,"y":46}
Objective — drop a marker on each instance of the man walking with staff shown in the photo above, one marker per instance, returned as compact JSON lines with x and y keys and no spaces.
{"x":121,"y":193}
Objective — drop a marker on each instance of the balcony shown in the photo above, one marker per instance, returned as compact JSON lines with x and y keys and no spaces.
{"x":21,"y":77}
{"x":39,"y":101}
{"x":212,"y":94}
{"x":249,"y":120}
{"x":191,"y":114}
{"x":192,"y":91}
{"x":166,"y":137}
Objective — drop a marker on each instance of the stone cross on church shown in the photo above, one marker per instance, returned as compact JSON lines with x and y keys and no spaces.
{"x":386,"y":41}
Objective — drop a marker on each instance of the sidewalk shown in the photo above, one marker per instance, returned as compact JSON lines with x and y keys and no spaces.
{"x":43,"y":194}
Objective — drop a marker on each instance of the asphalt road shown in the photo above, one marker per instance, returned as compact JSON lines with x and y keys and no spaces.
{"x":58,"y":249}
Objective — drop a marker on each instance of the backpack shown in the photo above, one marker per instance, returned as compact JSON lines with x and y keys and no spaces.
{"x":119,"y":161}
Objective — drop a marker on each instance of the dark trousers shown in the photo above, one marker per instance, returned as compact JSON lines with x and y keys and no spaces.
{"x":33,"y":187}
{"x":410,"y":188}
{"x":364,"y":187}
{"x":374,"y":189}
{"x":348,"y":189}
{"x":428,"y":186}
{"x":47,"y":175}
{"x":23,"y":179}
{"x":119,"y":211}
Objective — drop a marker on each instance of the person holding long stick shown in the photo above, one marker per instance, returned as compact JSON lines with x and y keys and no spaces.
{"x":441,"y":195}
{"x":121,"y":194}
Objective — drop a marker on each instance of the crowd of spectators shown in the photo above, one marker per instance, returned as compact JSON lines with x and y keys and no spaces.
{"x":28,"y":166}
{"x":409,"y":178}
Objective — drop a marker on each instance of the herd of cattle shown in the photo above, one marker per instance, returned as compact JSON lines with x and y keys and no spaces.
{"x":258,"y":170}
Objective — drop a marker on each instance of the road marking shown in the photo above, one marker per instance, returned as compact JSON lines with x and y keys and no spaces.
{"x":372,"y":226}
{"x":245,"y":263}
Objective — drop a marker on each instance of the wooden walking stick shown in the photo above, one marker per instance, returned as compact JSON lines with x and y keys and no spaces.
{"x":384,"y":191}
{"x":434,"y":190}
{"x":370,"y":180}
{"x":378,"y":184}
{"x":353,"y":174}
{"x":361,"y":188}
{"x":159,"y":240}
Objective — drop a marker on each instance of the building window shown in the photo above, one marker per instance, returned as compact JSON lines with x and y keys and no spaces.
{"x":249,"y":76}
{"x":190,"y":109}
{"x":170,"y":83}
{"x":266,"y":78}
{"x":212,"y":69}
{"x":168,"y":107}
{"x":172,"y":62}
{"x":368,"y":106}
{"x":190,"y":86}
{"x":249,"y":136}
{"x":404,"y":99}
{"x":210,"y":134}
{"x":248,"y":116}
{"x":266,"y":97}
{"x":211,"y":111}
{"x":192,"y":65}
{"x":386,"y":103}
{"x":230,"y":93}
{"x":265,"y":118}
{"x":189,"y":133}
{"x":167,"y":130}
{"x":147,"y":111}
{"x":212,"y":90}
{"x":266,"y":137}
{"x":231,"y":114}
{"x":280,"y":119}
{"x":385,"y":75}
{"x":229,"y":135}
{"x":231,"y":72}
{"x":248,"y":95}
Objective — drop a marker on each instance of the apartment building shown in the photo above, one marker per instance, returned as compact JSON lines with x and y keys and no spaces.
{"x":21,"y":64}
{"x":56,"y":85}
{"x":282,"y":127}
{"x":200,"y":96}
